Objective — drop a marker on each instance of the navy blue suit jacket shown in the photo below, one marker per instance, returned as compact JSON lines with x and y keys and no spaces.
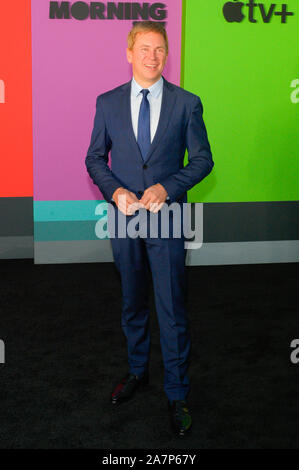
{"x":180,"y":127}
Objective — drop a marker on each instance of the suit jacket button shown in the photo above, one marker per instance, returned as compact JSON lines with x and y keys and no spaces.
{"x":145,"y":166}
{"x":140,"y":192}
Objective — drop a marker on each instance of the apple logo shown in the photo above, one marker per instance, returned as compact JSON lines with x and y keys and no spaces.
{"x":232,"y":11}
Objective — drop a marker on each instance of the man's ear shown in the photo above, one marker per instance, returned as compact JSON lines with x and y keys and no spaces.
{"x":129,"y":55}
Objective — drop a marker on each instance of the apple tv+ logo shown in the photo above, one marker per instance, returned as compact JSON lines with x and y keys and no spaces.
{"x":232,"y":11}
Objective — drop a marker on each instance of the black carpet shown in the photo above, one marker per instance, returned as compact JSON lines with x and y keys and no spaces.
{"x":65,"y":349}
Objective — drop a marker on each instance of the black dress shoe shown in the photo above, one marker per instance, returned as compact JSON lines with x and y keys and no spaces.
{"x":127,"y":387}
{"x":180,"y":418}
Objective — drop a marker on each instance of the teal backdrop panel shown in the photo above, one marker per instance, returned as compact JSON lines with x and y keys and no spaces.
{"x":242,"y":60}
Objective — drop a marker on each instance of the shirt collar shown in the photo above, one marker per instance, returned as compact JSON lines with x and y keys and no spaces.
{"x":154,"y":89}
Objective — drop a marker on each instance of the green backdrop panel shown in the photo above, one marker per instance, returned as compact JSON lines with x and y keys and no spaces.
{"x":246,"y":74}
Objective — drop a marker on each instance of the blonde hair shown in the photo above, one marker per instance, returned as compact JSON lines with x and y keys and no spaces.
{"x":147,"y":27}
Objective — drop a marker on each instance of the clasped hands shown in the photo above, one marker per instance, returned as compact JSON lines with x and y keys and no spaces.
{"x":153,"y":199}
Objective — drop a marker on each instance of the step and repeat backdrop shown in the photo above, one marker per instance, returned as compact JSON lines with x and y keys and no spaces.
{"x":240,"y":58}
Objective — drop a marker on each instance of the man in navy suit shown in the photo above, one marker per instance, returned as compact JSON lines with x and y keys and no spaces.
{"x":148,"y":123}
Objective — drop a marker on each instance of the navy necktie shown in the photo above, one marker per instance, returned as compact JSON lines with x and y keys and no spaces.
{"x":144,"y":131}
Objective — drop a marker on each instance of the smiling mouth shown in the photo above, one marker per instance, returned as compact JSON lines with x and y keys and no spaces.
{"x":151,"y":66}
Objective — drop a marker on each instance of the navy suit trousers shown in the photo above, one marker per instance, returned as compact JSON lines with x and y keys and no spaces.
{"x":165,"y":258}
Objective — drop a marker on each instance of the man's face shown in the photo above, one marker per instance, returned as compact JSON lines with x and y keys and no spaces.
{"x":148,"y":58}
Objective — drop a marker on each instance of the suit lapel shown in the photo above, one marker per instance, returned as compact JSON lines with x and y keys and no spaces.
{"x":167,"y":106}
{"x":125,"y":108}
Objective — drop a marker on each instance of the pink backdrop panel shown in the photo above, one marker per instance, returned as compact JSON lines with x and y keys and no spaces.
{"x":73,"y":61}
